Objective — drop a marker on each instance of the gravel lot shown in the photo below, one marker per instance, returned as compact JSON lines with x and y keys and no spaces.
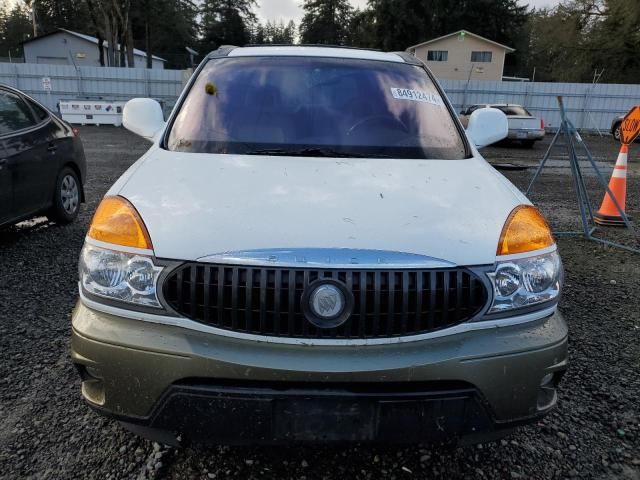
{"x":47,"y":432}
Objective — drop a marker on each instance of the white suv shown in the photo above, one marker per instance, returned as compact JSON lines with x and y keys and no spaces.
{"x":314,"y":250}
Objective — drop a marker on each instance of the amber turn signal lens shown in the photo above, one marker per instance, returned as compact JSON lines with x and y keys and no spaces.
{"x":525,"y":230}
{"x":117,"y":221}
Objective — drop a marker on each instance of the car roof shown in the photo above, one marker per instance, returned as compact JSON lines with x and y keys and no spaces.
{"x":317,"y":51}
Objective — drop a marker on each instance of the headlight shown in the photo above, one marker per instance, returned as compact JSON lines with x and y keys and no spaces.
{"x":127,"y":277}
{"x":526,"y":281}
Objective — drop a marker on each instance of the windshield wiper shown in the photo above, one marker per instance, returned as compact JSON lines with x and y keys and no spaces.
{"x":313,"y":152}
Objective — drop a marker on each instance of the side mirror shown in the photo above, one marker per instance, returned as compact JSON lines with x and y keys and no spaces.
{"x":487,"y":126}
{"x":143,"y":116}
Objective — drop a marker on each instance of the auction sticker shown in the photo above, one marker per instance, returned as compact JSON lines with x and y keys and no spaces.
{"x":416,"y":96}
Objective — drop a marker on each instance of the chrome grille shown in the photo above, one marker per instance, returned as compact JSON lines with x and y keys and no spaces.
{"x":267,"y":301}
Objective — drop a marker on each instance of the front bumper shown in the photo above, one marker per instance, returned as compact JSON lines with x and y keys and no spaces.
{"x":208,"y":387}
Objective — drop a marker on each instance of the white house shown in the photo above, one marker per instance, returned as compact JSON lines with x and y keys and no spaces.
{"x":463,"y":55}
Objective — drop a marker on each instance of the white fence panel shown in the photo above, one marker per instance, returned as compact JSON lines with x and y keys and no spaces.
{"x":589,"y":106}
{"x":108,"y":83}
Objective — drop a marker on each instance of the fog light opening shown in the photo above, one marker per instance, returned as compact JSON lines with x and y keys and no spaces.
{"x":547,"y":379}
{"x":547,"y":394}
{"x":92,"y":384}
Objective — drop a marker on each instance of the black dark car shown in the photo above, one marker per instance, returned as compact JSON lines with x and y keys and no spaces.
{"x":615,"y":127}
{"x":42,"y":163}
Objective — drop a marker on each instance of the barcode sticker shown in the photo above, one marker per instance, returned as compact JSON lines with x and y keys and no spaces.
{"x":416,"y":96}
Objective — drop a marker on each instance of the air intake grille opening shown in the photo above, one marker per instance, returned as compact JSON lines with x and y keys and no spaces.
{"x":266,"y":301}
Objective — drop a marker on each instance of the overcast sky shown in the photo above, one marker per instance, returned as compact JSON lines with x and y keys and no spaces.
{"x":290,"y":9}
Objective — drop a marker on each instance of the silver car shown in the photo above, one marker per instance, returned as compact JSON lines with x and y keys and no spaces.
{"x":523,"y":126}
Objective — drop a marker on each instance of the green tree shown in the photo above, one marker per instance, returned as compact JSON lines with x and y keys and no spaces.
{"x":326,"y":22}
{"x":398,"y":24}
{"x":362,"y":29}
{"x":15,"y":27}
{"x":274,"y":33}
{"x":69,"y":14}
{"x":226,"y":22}
{"x":614,"y":41}
{"x":165,"y":28}
{"x":557,"y":49}
{"x":288,"y":35}
{"x":580,"y":39}
{"x":259,"y":35}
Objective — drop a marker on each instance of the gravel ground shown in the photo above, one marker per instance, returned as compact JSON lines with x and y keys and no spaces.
{"x":47,"y":431}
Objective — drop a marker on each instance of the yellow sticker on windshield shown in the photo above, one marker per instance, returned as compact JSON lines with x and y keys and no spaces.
{"x":416,"y":96}
{"x":211,"y":89}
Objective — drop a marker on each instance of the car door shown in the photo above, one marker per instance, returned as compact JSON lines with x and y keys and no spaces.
{"x":25,"y":138}
{"x":6,"y":191}
{"x":54,"y":144}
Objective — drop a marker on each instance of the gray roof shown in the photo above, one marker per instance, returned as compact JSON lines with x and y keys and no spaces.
{"x":91,"y":39}
{"x":466,"y":32}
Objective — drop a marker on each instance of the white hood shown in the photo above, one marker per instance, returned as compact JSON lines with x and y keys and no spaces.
{"x":198,"y":205}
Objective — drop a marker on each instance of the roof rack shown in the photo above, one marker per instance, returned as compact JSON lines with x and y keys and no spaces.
{"x":320,"y":45}
{"x":221,"y":51}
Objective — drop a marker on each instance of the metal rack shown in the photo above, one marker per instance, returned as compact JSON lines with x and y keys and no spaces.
{"x":573,"y":138}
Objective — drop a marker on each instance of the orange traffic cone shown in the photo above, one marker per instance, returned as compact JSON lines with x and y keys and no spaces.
{"x":608,"y":213}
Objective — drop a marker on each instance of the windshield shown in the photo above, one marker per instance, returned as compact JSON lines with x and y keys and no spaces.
{"x":315,"y":107}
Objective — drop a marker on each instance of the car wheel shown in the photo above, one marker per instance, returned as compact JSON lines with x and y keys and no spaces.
{"x":616,"y":131}
{"x":66,"y":202}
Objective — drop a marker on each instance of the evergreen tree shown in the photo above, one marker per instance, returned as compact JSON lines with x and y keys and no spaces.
{"x":70,"y":14}
{"x":402,"y":23}
{"x":326,"y":22}
{"x":362,"y":29}
{"x":613,"y":42}
{"x":274,"y":33}
{"x":580,"y":38}
{"x":165,"y":27}
{"x":227,"y":22}
{"x":15,"y":27}
{"x":259,"y":36}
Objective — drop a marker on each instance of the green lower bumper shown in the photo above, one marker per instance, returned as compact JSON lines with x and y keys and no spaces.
{"x":128,"y":364}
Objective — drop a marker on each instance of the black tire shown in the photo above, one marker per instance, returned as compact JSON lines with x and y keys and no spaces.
{"x":528,"y":143}
{"x":67,"y":197}
{"x":616,"y":131}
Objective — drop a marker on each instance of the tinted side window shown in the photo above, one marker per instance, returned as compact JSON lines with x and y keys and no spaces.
{"x":14,"y":114}
{"x":514,"y":111}
{"x":40,"y":112}
{"x":472,"y":109}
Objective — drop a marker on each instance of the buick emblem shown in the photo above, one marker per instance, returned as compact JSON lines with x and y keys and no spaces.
{"x":327,"y":303}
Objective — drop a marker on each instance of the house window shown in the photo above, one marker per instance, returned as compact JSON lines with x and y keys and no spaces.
{"x":437,"y":55}
{"x":481,"y":57}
